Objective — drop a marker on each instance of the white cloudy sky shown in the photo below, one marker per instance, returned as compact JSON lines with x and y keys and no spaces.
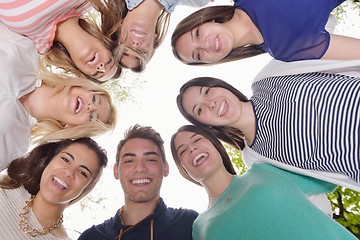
{"x":156,"y":107}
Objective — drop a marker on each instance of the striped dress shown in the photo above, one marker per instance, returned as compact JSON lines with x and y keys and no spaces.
{"x":310,"y":121}
{"x":37,"y":19}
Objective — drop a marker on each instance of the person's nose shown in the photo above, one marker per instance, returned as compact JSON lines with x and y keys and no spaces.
{"x":91,"y":107}
{"x":140,"y":166}
{"x":192,"y":148}
{"x":209,"y":103}
{"x":100,"y":67}
{"x":203,"y":44}
{"x":135,"y":43}
{"x":69,"y":172}
{"x":212,"y":104}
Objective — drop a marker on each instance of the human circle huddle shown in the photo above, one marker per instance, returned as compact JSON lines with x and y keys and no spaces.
{"x":298,"y":133}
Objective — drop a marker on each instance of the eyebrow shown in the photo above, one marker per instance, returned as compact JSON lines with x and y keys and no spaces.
{"x":193,"y":110}
{"x":177,"y":149}
{"x":111,"y":61}
{"x":98,"y":113}
{"x":73,"y":158}
{"x":145,"y":154}
{"x":191,"y":38}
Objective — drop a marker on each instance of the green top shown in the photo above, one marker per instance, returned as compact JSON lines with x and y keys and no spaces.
{"x":269,"y":203}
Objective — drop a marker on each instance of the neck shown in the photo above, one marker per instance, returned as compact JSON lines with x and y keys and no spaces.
{"x":244,"y":30}
{"x":217,"y":184}
{"x":247,"y":122}
{"x":70,"y":34}
{"x":37,"y":103}
{"x":134,"y":212}
{"x":45,"y":212}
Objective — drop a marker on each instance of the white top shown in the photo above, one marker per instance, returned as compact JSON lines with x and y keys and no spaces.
{"x":279,"y":68}
{"x":12,"y":202}
{"x":19,"y":69}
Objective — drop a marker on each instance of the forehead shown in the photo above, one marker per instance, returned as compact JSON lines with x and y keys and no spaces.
{"x":191,"y":96}
{"x":139,"y":146}
{"x":183,"y":137}
{"x":183,"y":47}
{"x":83,"y":155}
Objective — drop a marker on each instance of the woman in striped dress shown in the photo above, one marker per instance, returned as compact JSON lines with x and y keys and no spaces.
{"x":63,"y":35}
{"x":307,"y":122}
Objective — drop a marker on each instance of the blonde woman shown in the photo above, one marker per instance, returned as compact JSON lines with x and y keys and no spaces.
{"x":44,"y":106}
{"x":39,"y":186}
{"x":64,"y":36}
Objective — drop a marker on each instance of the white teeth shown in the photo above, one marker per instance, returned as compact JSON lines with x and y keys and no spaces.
{"x":217,"y":44}
{"x":221,"y":109}
{"x":61,"y":182}
{"x":140,"y":181}
{"x":79,"y":105}
{"x":138,"y":34}
{"x":199,"y":158}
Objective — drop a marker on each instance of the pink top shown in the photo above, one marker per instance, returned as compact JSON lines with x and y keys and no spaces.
{"x":37,"y":19}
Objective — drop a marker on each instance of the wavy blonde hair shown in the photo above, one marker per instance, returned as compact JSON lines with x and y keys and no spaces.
{"x":59,"y":57}
{"x":50,"y":129}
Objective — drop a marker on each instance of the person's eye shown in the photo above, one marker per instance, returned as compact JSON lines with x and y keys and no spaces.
{"x":92,"y":117}
{"x":199,"y":110}
{"x":182,"y":152}
{"x":197,"y":33}
{"x":207,"y":91}
{"x":128,"y":161}
{"x":198,"y":55}
{"x":197,"y":140}
{"x":93,"y":99}
{"x":65,"y":159}
{"x":152,"y":160}
{"x":83,"y":173}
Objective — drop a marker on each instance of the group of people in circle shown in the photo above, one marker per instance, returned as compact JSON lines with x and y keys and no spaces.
{"x":298,"y":133}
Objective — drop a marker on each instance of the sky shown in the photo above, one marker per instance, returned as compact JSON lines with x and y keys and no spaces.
{"x":155,"y":106}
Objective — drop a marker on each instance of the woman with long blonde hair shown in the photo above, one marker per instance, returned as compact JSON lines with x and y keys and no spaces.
{"x":64,"y":35}
{"x":43,"y":106}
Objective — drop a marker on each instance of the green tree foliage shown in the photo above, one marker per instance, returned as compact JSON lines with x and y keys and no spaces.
{"x":346,"y":207}
{"x":124,"y":89}
{"x":345,"y":202}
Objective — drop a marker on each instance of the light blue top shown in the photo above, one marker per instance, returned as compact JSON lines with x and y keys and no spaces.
{"x":269,"y":203}
{"x":169,"y":4}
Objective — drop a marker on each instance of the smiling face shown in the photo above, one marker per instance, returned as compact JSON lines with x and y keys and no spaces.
{"x":82,"y":106}
{"x":197,"y":155}
{"x":137,"y":33}
{"x":68,"y":174}
{"x":207,"y":43}
{"x":141,"y":170}
{"x":214,"y":106}
{"x":95,"y":60}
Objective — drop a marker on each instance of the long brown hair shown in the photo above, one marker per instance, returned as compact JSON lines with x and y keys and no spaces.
{"x":27,"y":170}
{"x":230,"y":135}
{"x":208,"y":135}
{"x":219,"y":14}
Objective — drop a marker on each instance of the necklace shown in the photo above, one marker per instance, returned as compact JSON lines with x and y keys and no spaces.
{"x":26,"y":228}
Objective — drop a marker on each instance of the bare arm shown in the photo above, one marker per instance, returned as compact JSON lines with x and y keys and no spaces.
{"x":342,"y":48}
